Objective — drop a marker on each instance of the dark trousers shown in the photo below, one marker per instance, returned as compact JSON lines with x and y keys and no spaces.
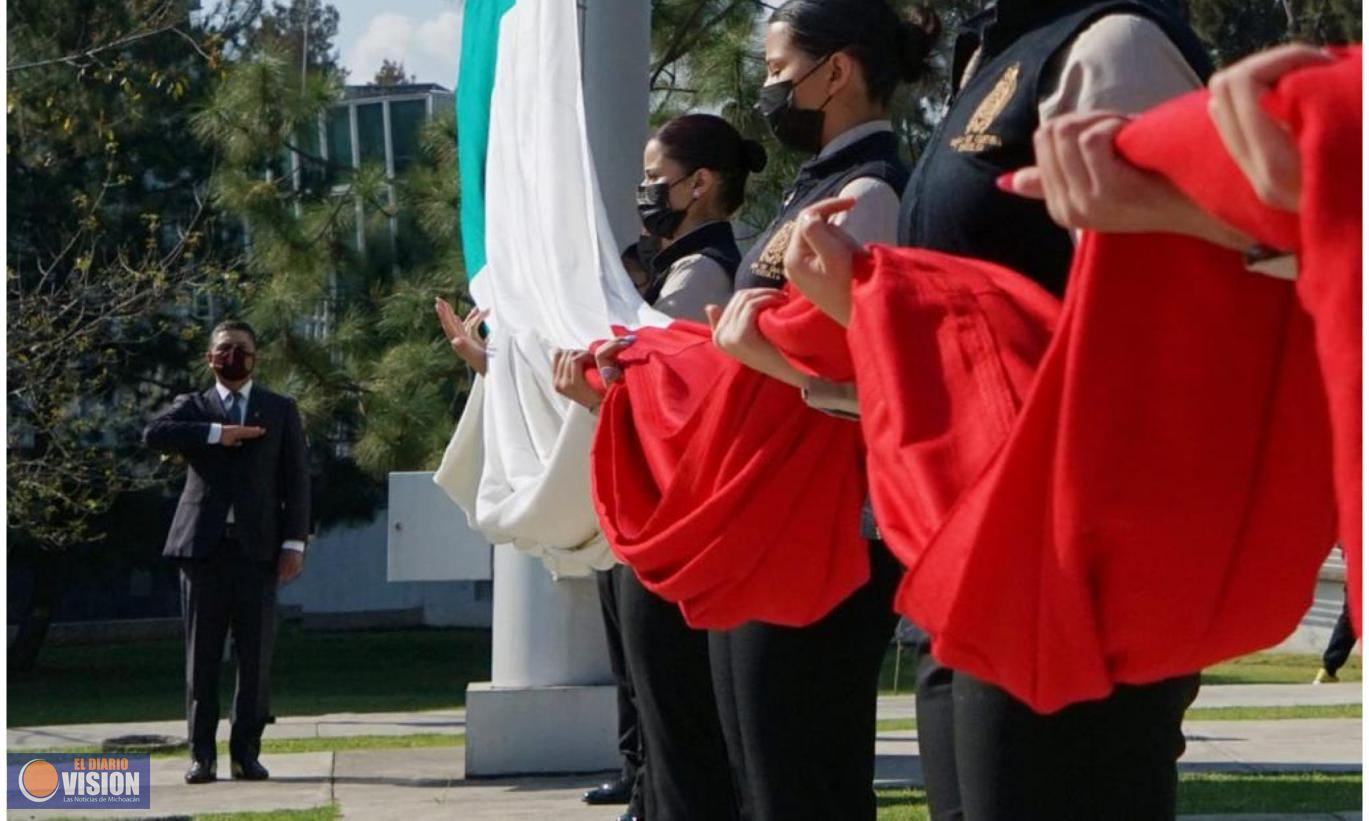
{"x":629,"y":733}
{"x":1341,"y":644}
{"x":936,"y":734}
{"x":228,"y":592}
{"x":1114,"y":758}
{"x":685,"y":776}
{"x":798,"y":705}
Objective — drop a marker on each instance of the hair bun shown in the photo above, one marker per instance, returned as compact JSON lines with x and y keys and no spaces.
{"x":920,"y":29}
{"x":753,"y":156}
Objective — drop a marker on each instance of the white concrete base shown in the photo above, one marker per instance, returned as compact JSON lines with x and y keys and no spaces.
{"x":523,"y":730}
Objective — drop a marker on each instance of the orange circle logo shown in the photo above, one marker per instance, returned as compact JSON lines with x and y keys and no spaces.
{"x":38,"y":780}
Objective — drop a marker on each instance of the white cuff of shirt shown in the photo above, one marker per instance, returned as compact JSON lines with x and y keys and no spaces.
{"x":215,"y":433}
{"x":292,"y":544}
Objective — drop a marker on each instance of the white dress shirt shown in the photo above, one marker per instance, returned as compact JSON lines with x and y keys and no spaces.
{"x":216,"y":436}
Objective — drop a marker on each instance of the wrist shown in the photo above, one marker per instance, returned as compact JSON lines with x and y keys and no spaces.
{"x":1195,"y":222}
{"x":841,"y":313}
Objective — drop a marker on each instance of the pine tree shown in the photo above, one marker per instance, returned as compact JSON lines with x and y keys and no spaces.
{"x":292,"y":29}
{"x":110,"y":240}
{"x":1236,"y":28}
{"x":339,"y":280}
{"x":392,"y":73}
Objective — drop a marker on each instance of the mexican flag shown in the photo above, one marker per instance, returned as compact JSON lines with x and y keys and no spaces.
{"x":541,"y":257}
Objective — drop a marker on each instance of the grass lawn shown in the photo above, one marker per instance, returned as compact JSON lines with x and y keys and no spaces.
{"x":1205,"y":793}
{"x":378,"y":670}
{"x":1283,"y":793}
{"x":1206,"y":714}
{"x":314,"y":672}
{"x":324,"y":813}
{"x":1277,"y":668}
{"x":328,"y":812}
{"x":1275,"y":713}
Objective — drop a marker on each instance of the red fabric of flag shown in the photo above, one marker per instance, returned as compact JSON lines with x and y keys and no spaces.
{"x":720,"y":488}
{"x":1166,"y":496}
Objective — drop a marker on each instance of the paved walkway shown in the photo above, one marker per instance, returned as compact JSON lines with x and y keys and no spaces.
{"x":332,"y":725}
{"x":410,"y":785}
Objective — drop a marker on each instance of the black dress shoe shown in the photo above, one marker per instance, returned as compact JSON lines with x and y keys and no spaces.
{"x":614,"y":792}
{"x":200,"y":772}
{"x":627,"y":816}
{"x":249,"y":771}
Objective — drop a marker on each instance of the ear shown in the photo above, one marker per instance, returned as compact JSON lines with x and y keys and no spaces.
{"x":843,"y":72}
{"x":704,"y":183}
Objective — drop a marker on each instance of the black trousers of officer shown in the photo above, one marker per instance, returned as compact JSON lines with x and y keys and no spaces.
{"x":685,"y":777}
{"x":629,"y":733}
{"x":988,"y":757}
{"x":1342,"y":642}
{"x":798,"y":705}
{"x":228,"y":592}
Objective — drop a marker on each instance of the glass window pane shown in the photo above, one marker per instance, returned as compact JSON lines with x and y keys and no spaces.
{"x":371,"y":133}
{"x":307,"y":141}
{"x":406,"y":121}
{"x":339,"y":136}
{"x":279,"y":164}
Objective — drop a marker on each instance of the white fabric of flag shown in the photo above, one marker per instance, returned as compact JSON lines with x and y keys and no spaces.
{"x":518,"y":464}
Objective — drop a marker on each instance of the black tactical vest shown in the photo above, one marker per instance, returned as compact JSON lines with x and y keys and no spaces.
{"x":952,"y":202}
{"x":875,"y":156}
{"x":714,"y":240}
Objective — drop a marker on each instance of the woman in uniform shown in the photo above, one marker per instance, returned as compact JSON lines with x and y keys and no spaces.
{"x":798,"y":703}
{"x":987,"y":755}
{"x":694,"y":178}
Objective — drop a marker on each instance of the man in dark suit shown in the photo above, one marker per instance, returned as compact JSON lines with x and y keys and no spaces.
{"x":239,"y":531}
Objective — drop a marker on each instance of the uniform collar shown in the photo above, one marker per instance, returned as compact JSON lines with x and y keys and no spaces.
{"x":853,"y":135}
{"x":710,"y":234}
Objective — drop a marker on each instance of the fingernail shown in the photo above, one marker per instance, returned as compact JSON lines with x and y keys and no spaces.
{"x":629,"y":339}
{"x":1004,"y":182}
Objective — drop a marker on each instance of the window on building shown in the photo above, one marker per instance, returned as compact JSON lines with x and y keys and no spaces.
{"x":279,"y":166}
{"x":311,"y":170}
{"x":371,"y":132}
{"x":406,"y":121}
{"x":339,"y":128}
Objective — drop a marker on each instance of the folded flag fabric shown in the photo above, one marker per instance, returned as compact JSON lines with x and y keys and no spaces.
{"x":1323,"y":109}
{"x":727,"y":494}
{"x":721,"y":489}
{"x":1168,"y":491}
{"x":948,"y":348}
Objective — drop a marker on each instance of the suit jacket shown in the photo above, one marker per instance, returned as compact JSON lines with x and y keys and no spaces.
{"x":265,"y":481}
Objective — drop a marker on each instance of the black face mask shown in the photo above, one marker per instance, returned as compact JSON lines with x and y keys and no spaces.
{"x":797,"y":128}
{"x":233,"y":364}
{"x":653,"y":206}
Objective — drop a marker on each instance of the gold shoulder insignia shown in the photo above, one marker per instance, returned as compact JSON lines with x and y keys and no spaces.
{"x":977,"y":137}
{"x":770,"y":263}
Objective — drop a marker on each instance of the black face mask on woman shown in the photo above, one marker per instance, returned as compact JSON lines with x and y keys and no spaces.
{"x":653,"y":206}
{"x":797,"y":128}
